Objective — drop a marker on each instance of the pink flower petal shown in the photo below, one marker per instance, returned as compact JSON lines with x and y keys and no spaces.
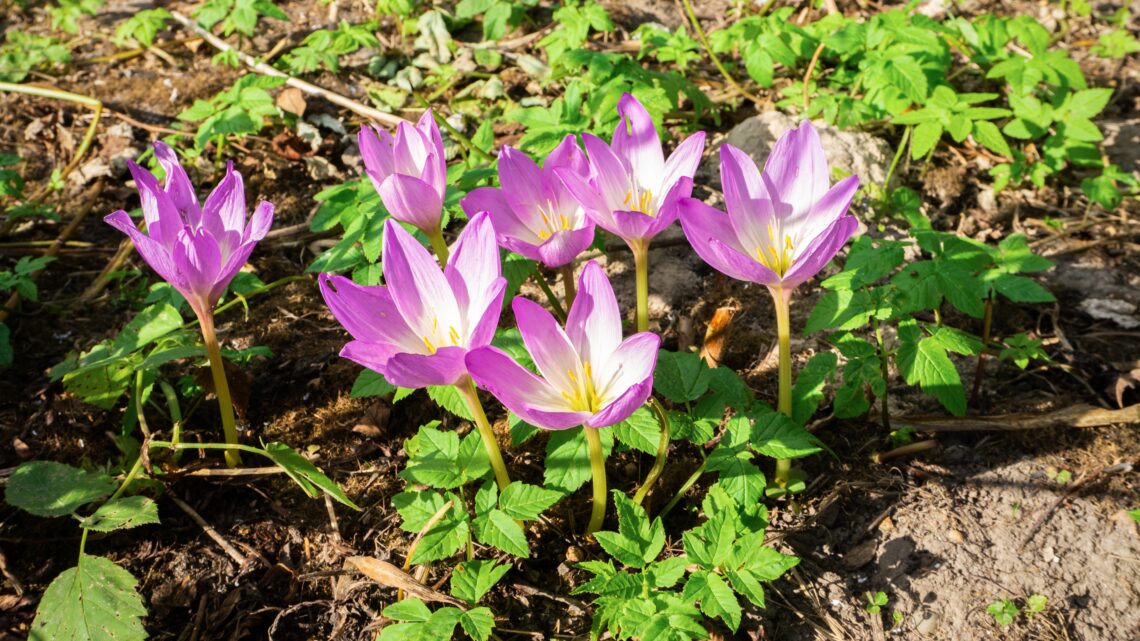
{"x":594,"y":322}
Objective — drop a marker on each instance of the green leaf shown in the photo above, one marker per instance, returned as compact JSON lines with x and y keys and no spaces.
{"x":925,"y":363}
{"x":94,"y":601}
{"x":449,"y":398}
{"x":122,"y":514}
{"x":963,"y":291}
{"x":444,"y":539}
{"x":526,"y":502}
{"x":640,"y":431}
{"x":478,"y":622}
{"x":47,"y":488}
{"x":842,"y":309}
{"x":989,"y":136}
{"x":305,"y":473}
{"x":739,"y":478}
{"x":568,"y":458}
{"x":923,"y":139}
{"x":808,"y":390}
{"x":1020,"y":289}
{"x":1089,"y":102}
{"x":715,"y":597}
{"x":472,"y":579}
{"x":407,"y":610}
{"x":501,"y":531}
{"x":779,"y":437}
{"x":765,"y":563}
{"x":370,"y":383}
{"x":417,"y":508}
{"x":680,"y":377}
{"x":906,"y":74}
{"x":637,"y":541}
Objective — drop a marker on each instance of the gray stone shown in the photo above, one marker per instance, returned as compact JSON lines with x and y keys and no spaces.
{"x":1122,"y":143}
{"x":862,"y":154}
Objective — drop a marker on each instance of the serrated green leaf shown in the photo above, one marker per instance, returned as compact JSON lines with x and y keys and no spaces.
{"x":715,"y":597}
{"x":526,"y":502}
{"x":47,"y":488}
{"x":306,"y":474}
{"x":94,"y":601}
{"x":680,"y":377}
{"x":1089,"y":102}
{"x":501,"y":531}
{"x":407,"y":610}
{"x":1020,"y":289}
{"x":449,"y":398}
{"x":444,"y":539}
{"x":923,"y":139}
{"x":472,"y":579}
{"x":925,"y":363}
{"x":640,"y":431}
{"x":120,"y":514}
{"x":808,"y":390}
{"x":779,"y":437}
{"x":568,"y":458}
{"x":370,"y":383}
{"x":478,"y":622}
{"x":417,"y":508}
{"x":989,"y":136}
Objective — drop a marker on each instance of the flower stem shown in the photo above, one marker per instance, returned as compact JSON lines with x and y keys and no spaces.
{"x":662,"y":453}
{"x":568,"y":284}
{"x":438,"y":245}
{"x":467,"y":389}
{"x":782,"y":301}
{"x":689,"y":482}
{"x":559,"y":313}
{"x":980,"y":372}
{"x":221,"y":385}
{"x":598,"y":470}
{"x":641,"y":265}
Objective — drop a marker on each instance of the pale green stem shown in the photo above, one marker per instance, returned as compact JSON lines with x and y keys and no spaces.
{"x":598,"y":471}
{"x":438,"y":245}
{"x":641,"y":265}
{"x":536,"y":273}
{"x":782,"y":301}
{"x":689,"y":482}
{"x":221,"y":385}
{"x":662,"y":452}
{"x":467,"y":389}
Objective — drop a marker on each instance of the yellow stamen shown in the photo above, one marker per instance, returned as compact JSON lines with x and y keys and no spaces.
{"x":427,"y":343}
{"x":453,"y":335}
{"x":777,"y":260}
{"x":584,"y":396}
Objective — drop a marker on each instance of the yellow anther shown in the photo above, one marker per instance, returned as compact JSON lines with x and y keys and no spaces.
{"x":777,"y":260}
{"x":430,"y":347}
{"x":453,"y":335}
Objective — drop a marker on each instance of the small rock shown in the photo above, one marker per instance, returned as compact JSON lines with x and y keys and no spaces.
{"x":861,"y":554}
{"x":574,"y":554}
{"x":928,"y":625}
{"x":860,"y":153}
{"x":321,"y":169}
{"x":1121,"y":312}
{"x":956,"y":537}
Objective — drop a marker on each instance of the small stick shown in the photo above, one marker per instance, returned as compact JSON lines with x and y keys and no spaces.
{"x":389,"y":120}
{"x":1081,"y":416}
{"x":232,"y":472}
{"x":333,"y":524}
{"x":226,"y":546}
{"x":905,"y":450}
{"x":716,"y":61}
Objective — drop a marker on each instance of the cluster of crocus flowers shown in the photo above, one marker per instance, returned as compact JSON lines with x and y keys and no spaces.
{"x":409,"y":171}
{"x":632,"y":191}
{"x":782,"y":226}
{"x":533,"y":213}
{"x":590,"y":377}
{"x":418,"y":328}
{"x":197,"y":249}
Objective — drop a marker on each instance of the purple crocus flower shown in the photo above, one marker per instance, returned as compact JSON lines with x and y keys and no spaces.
{"x":408,"y":170}
{"x":590,"y":376}
{"x":783,"y":224}
{"x":534,"y":213}
{"x":198,"y":250}
{"x":417,"y":329}
{"x":632,"y":191}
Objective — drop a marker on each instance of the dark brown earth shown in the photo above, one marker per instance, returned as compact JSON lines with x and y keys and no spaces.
{"x":943,"y":534}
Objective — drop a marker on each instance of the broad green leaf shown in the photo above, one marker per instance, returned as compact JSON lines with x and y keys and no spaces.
{"x":680,"y":377}
{"x":370,"y":383}
{"x":1020,"y":289}
{"x":94,"y":601}
{"x":1089,"y":102}
{"x":990,"y":137}
{"x":640,"y":431}
{"x":779,"y":437}
{"x":407,"y":610}
{"x":417,"y":508}
{"x":526,"y":502}
{"x":925,"y":363}
{"x":923,"y":139}
{"x":122,"y":514}
{"x":730,"y":389}
{"x":906,"y":74}
{"x":715,"y":597}
{"x":449,"y":398}
{"x":963,"y":291}
{"x":305,"y":473}
{"x":568,"y":458}
{"x":637,"y":541}
{"x":501,"y":531}
{"x":739,"y":477}
{"x":472,"y":579}
{"x":478,"y":622}
{"x":444,"y":539}
{"x":47,"y":488}
{"x":808,"y":390}
{"x":842,"y":309}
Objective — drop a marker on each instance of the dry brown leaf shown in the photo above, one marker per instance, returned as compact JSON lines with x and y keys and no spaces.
{"x":389,"y":575}
{"x":292,"y":100}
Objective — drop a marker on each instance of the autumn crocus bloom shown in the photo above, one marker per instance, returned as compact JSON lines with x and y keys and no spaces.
{"x":534,"y":213}
{"x":632,"y":190}
{"x":417,"y":329}
{"x":782,"y":227}
{"x":409,"y":172}
{"x":590,"y":376}
{"x":197,"y":249}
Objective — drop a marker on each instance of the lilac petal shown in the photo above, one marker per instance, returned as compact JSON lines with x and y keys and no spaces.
{"x":376,"y":149}
{"x":178,"y":185}
{"x":411,"y":150}
{"x":833,"y":205}
{"x":487,"y":320}
{"x":417,"y":285}
{"x":437,"y":174}
{"x":505,"y":220}
{"x":473,"y":269}
{"x":525,"y":394}
{"x":224,"y":209}
{"x":374,"y":356}
{"x":155,"y":255}
{"x":701,"y":223}
{"x":633,"y":226}
{"x":230,"y":267}
{"x":548,"y":344}
{"x":713,"y":238}
{"x":630,"y":364}
{"x":199,"y":260}
{"x":522,"y":181}
{"x":586,"y":195}
{"x":412,"y":201}
{"x":368,"y":313}
{"x":163,"y":221}
{"x":594,"y":322}
{"x":444,"y":367}
{"x":623,"y":406}
{"x":608,"y":175}
{"x":260,"y":222}
{"x":637,"y":144}
{"x":569,"y":155}
{"x":798,"y":170}
{"x":684,"y":160}
{"x":815,"y":256}
{"x":746,"y":199}
{"x":563,"y":247}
